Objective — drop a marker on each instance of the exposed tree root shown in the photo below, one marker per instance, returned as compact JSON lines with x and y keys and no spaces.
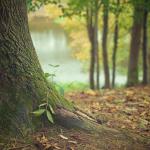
{"x":80,"y":120}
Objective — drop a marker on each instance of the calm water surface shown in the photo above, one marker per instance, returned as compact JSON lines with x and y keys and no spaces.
{"x":52,"y":48}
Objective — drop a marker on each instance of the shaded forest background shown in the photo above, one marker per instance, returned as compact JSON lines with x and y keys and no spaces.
{"x":106,"y":36}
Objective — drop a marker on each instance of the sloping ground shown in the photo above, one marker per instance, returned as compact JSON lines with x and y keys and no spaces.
{"x":58,"y":138}
{"x":125,"y":111}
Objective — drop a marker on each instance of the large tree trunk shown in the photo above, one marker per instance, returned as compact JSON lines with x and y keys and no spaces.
{"x":22,"y":82}
{"x":148,"y":48}
{"x":149,"y":65}
{"x":115,"y":45}
{"x":104,"y":46}
{"x":135,"y":46}
{"x":144,"y":50}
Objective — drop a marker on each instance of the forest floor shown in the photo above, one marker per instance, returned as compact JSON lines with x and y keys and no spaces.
{"x":122,"y":109}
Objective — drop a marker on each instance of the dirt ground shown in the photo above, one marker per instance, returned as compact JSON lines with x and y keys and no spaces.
{"x":120,"y":108}
{"x":58,"y":138}
{"x":126,"y":110}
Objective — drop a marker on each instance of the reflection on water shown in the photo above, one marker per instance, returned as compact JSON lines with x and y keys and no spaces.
{"x":52,"y":48}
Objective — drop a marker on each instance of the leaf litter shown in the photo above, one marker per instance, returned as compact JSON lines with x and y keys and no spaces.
{"x":124,"y":109}
{"x":120,"y":108}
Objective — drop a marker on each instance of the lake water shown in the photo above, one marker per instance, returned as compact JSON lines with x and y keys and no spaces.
{"x":52,"y":48}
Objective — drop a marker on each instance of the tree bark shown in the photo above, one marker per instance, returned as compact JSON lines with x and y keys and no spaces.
{"x":90,"y":31}
{"x":144,"y":48}
{"x":22,"y":82}
{"x":149,"y":65}
{"x":115,"y":46}
{"x":92,"y":67}
{"x":96,"y":47}
{"x":135,"y":46}
{"x":92,"y":27}
{"x":148,"y":48}
{"x":104,"y":46}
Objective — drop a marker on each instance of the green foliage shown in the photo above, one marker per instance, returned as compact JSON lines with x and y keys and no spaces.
{"x":60,"y":89}
{"x":79,"y":7}
{"x":49,"y":116}
{"x":34,"y":5}
{"x":51,"y":75}
{"x":39,"y":112}
{"x":50,"y":102}
{"x":45,"y":108}
{"x":47,"y":75}
{"x":73,"y":86}
{"x":54,"y":66}
{"x":143,"y":4}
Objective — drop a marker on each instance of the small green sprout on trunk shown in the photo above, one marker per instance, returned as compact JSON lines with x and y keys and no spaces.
{"x":45,"y":109}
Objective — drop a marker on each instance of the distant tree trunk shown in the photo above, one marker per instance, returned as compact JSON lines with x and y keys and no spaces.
{"x":135,"y":46}
{"x":92,"y":27}
{"x":96,"y":48}
{"x":144,"y":48}
{"x":116,"y":30}
{"x":90,"y":30}
{"x":92,"y":66}
{"x":104,"y":46}
{"x":22,"y":82}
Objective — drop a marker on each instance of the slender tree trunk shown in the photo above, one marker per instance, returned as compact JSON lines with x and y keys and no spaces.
{"x":144,"y":49}
{"x":96,"y":49}
{"x":22,"y":82}
{"x":92,"y":65}
{"x":104,"y":47}
{"x":115,"y":46}
{"x":135,"y":47}
{"x":90,"y":30}
{"x":92,"y":27}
